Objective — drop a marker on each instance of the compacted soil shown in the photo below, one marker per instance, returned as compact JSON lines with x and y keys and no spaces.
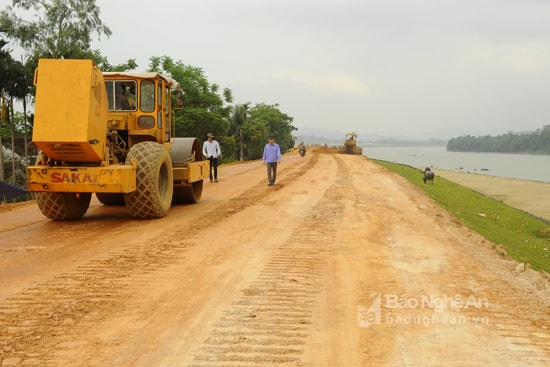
{"x":340,"y":263}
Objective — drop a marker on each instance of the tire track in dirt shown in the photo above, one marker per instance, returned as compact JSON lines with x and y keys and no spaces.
{"x":270,"y":322}
{"x":42,"y":319}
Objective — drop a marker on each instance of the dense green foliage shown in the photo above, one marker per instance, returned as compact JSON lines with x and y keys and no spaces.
{"x":250,"y":127}
{"x":525,"y":237}
{"x":241,"y":130}
{"x":19,"y":126}
{"x":206,"y":106}
{"x":15,"y":83}
{"x":268,"y":120}
{"x":537,"y":142}
{"x":59,"y":29}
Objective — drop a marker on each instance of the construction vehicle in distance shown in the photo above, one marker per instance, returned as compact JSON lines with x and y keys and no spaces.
{"x":111,"y":134}
{"x":350,"y":145}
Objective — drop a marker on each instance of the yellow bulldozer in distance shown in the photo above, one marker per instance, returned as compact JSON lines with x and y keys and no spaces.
{"x":350,"y":145}
{"x":111,"y":134}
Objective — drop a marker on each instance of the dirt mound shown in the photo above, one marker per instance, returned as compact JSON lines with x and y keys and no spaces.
{"x":324,"y":149}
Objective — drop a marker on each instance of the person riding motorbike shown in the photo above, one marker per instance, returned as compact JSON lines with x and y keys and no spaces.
{"x":302,"y":149}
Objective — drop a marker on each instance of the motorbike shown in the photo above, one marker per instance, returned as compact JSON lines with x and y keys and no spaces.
{"x":302,"y":152}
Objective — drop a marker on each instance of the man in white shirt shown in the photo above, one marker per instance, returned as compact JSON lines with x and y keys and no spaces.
{"x":211,"y":150}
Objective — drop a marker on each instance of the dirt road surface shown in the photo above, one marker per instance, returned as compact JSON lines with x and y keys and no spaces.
{"x":341,"y":263}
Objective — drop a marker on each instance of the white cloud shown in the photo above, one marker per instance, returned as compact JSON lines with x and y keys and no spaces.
{"x":319,"y":83}
{"x":524,"y":58}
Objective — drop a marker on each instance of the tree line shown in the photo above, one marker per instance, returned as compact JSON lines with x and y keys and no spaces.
{"x":64,"y":29}
{"x":537,"y":142}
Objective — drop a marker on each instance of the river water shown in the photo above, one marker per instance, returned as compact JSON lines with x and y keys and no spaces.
{"x":522,"y":166}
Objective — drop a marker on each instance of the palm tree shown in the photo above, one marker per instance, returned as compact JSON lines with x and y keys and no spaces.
{"x":14,"y":83}
{"x":238,"y":118}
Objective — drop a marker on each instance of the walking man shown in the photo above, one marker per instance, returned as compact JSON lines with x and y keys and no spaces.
{"x":272,"y":156}
{"x":211,"y":150}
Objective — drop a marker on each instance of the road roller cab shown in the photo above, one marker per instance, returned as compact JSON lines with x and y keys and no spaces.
{"x":111,"y":134}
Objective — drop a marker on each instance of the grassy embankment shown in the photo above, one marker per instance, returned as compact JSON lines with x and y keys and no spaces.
{"x":525,"y":238}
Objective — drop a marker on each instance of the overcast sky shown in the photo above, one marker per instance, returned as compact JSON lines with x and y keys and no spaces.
{"x":433,"y":68}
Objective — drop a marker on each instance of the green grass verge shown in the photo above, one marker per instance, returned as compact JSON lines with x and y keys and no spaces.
{"x":525,"y":238}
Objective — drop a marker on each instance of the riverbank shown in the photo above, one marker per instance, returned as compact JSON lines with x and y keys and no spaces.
{"x":493,"y":164}
{"x":530,"y":196}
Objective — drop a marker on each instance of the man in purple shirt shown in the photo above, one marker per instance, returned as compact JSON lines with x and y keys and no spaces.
{"x":272,"y":156}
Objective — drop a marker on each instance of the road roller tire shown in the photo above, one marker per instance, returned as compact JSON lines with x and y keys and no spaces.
{"x":188,"y":194}
{"x":154,"y":181}
{"x":183,"y":151}
{"x":63,"y":205}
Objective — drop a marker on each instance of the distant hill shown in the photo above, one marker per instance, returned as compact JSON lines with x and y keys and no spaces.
{"x":319,"y":133}
{"x":314,"y":135}
{"x":330,"y":137}
{"x":326,"y":136}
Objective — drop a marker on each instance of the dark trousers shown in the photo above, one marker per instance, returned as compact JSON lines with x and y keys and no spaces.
{"x":271,"y":172}
{"x":213,"y":167}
